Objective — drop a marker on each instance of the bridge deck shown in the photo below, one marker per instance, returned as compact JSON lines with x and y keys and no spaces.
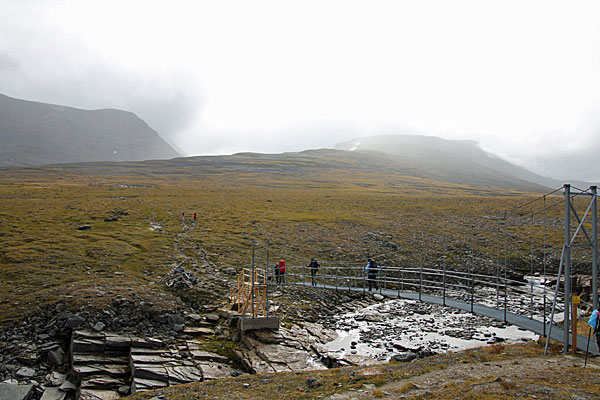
{"x":511,"y":318}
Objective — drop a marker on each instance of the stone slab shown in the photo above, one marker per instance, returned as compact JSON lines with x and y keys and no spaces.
{"x":8,"y":391}
{"x":212,"y":370}
{"x":146,"y":351}
{"x":247,"y":324}
{"x":184,"y":374}
{"x":149,"y":359}
{"x":115,"y":371}
{"x":198,"y":330}
{"x":85,"y":334}
{"x":101,"y":382}
{"x":142,"y":385}
{"x":206,"y":356}
{"x":91,"y":394}
{"x":117,"y":341}
{"x":83,"y":345}
{"x":90,"y":358}
{"x":150,"y":371}
{"x":53,"y":393}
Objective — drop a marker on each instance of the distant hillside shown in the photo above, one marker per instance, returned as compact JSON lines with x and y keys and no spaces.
{"x":34,"y":133}
{"x":323,"y":168}
{"x":458,"y":161}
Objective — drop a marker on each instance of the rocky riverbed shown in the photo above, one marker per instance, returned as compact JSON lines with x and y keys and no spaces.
{"x":407,"y":329}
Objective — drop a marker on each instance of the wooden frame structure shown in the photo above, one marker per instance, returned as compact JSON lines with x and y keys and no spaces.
{"x":250,"y":293}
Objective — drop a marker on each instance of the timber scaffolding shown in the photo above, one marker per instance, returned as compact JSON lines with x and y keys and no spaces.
{"x":250,"y":295}
{"x":499,"y":294}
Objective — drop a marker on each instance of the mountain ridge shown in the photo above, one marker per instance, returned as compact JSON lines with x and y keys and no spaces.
{"x":455,"y":160}
{"x":36,"y":133}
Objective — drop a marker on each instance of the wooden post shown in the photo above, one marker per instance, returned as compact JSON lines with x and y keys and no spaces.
{"x":576,"y":300}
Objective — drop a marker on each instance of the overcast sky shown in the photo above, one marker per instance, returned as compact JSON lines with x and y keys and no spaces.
{"x":521,"y":77}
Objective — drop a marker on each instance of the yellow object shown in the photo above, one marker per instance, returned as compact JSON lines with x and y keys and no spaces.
{"x":576,"y":300}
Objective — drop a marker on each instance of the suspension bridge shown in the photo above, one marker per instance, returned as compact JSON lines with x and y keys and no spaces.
{"x":526,"y":303}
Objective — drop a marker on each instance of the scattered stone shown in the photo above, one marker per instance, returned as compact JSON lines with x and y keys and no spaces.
{"x":214,"y":318}
{"x":84,"y":227}
{"x":195,"y":317}
{"x":74,"y":321}
{"x":246,"y":386}
{"x":178,"y":277}
{"x":124,"y":390}
{"x":56,"y":379}
{"x":313,"y":383}
{"x":194,"y":330}
{"x":25,"y":372}
{"x":378,"y":297}
{"x":99,"y":326}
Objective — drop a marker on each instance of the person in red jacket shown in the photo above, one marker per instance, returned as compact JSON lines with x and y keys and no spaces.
{"x":281,"y":277}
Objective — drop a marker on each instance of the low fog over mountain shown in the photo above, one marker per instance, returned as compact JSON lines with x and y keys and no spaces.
{"x":459,"y":161}
{"x":34,"y":133}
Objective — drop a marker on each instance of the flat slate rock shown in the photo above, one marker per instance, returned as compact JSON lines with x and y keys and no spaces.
{"x":25,"y":372}
{"x":8,"y":391}
{"x":149,"y":359}
{"x":83,"y":333}
{"x":53,"y":393}
{"x":87,"y":358}
{"x":150,"y":371}
{"x":85,"y":345}
{"x":143,"y":385}
{"x":146,"y":351}
{"x":212,"y":371}
{"x":184,"y":374}
{"x":101,"y":382}
{"x":206,"y":356}
{"x":92,"y":394}
{"x":197,"y":330}
{"x":118,"y":341}
{"x":116,"y":371}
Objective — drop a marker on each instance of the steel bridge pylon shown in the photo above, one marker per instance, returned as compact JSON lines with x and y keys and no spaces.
{"x":569,"y":244}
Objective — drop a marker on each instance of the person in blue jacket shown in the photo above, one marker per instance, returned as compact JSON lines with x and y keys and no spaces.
{"x":372,"y":269}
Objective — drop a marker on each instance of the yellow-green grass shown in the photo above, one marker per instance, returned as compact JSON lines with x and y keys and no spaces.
{"x":44,"y":258}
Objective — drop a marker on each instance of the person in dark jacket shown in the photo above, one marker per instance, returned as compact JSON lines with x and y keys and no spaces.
{"x":372,"y":269}
{"x":314,"y":267}
{"x":277,"y":273}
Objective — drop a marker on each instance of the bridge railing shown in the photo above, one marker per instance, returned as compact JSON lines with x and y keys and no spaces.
{"x":496,"y":291}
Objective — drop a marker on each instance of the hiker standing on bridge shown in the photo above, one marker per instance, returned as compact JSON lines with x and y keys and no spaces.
{"x":281,"y":277}
{"x":277,"y":276}
{"x":372,"y":269}
{"x":314,"y":267}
